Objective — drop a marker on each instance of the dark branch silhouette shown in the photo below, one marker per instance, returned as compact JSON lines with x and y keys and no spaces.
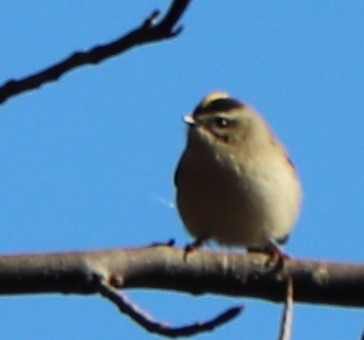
{"x":153,"y":326}
{"x":150,"y":31}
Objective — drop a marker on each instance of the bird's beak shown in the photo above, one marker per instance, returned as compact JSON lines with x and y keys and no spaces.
{"x":189,"y":120}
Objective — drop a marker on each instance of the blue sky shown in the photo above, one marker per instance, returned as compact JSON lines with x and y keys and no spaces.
{"x":87,"y":163}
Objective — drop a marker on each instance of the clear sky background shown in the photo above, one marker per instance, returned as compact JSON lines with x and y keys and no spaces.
{"x":87,"y":162}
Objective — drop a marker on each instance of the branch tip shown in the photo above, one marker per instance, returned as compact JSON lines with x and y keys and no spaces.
{"x":151,"y":20}
{"x":150,"y":31}
{"x":177,"y":31}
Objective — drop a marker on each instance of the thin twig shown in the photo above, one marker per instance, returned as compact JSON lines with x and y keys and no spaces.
{"x":147,"y":322}
{"x":150,"y":31}
{"x":287,"y":315}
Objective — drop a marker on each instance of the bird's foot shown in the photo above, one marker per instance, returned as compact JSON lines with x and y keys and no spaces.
{"x":169,"y":243}
{"x":190,"y":247}
{"x":276,"y":255}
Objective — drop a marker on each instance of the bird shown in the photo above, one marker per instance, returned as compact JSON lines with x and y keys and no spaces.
{"x":235,"y":183}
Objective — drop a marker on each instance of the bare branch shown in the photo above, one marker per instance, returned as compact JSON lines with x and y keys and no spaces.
{"x":287,"y":315}
{"x":164,"y":267}
{"x":153,"y":326}
{"x":150,"y":31}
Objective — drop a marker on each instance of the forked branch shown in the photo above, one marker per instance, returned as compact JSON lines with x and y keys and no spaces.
{"x":150,"y":31}
{"x":167,"y":268}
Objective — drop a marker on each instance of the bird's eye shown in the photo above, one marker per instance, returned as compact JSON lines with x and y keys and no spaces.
{"x":221,"y":122}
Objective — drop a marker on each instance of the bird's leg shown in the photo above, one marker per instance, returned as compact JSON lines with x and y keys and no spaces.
{"x":275,"y":252}
{"x":196,"y":244}
{"x":277,"y":255}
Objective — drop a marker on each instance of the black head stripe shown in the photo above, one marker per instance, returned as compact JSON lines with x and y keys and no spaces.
{"x":218,"y":105}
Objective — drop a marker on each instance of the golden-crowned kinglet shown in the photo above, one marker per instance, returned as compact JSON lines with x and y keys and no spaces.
{"x":235,"y":182}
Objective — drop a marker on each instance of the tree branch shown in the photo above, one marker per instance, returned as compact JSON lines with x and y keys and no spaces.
{"x":150,"y":31}
{"x":153,"y":326}
{"x":287,"y":314}
{"x":164,"y":267}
